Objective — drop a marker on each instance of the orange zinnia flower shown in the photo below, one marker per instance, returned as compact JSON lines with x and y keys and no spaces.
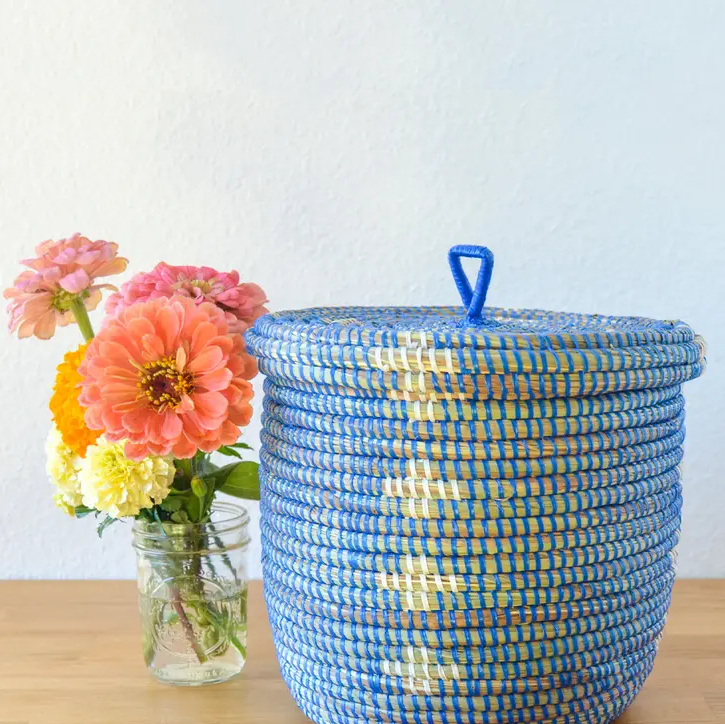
{"x":168,"y":377}
{"x":68,"y":414}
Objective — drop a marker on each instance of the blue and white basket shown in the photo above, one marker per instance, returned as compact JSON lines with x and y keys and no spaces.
{"x":469,"y":515}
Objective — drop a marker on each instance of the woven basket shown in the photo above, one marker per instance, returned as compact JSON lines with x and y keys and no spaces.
{"x":469,"y":515}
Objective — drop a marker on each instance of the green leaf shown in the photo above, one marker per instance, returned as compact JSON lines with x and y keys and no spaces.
{"x":241,"y":446}
{"x":193,"y":508}
{"x":229,"y":452}
{"x":172,"y":503}
{"x":104,"y":524}
{"x":81,"y":511}
{"x":180,"y":517}
{"x":240,"y":480}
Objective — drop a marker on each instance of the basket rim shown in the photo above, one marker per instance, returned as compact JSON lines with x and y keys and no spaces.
{"x":363,"y":325}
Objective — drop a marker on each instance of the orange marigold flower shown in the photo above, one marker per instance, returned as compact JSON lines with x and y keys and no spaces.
{"x":68,"y":413}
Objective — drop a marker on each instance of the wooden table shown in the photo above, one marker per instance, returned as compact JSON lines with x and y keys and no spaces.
{"x":70,"y":654}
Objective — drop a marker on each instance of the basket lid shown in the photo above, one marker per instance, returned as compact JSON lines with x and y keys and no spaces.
{"x":471,"y":326}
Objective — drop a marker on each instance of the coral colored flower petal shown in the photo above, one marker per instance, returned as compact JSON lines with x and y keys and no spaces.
{"x":120,"y":373}
{"x":26,"y":329}
{"x":241,"y":415}
{"x":211,"y":403}
{"x":181,"y":358}
{"x":111,"y":418}
{"x":138,"y":328}
{"x":45,"y":326}
{"x":183,"y":448}
{"x":113,"y":353}
{"x":153,"y":347}
{"x":118,"y":391}
{"x":229,"y":432}
{"x":135,"y":452}
{"x":228,"y":343}
{"x":202,"y":336}
{"x":172,"y":426}
{"x":169,"y":325}
{"x":91,"y":301}
{"x":208,"y":359}
{"x":135,"y":421}
{"x":215,"y":381}
{"x":196,"y":423}
{"x":154,"y":428}
{"x":111,"y":267}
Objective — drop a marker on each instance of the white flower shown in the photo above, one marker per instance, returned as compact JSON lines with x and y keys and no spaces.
{"x":114,"y":484}
{"x":62,"y":466}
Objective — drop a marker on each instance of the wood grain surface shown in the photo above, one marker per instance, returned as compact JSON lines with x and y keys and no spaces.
{"x":70,"y":654}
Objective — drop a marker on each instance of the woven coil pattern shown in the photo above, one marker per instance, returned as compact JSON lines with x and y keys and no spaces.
{"x":469,"y":514}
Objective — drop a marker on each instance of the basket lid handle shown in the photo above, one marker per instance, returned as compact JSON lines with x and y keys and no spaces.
{"x":473,"y":299}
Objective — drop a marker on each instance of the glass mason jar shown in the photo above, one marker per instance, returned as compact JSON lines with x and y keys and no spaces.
{"x":192,"y":586}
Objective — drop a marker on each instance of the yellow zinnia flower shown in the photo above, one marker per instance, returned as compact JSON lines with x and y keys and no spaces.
{"x":114,"y":484}
{"x":68,"y":413}
{"x":63,"y":466}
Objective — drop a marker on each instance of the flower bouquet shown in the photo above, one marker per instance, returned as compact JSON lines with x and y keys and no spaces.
{"x":138,"y":409}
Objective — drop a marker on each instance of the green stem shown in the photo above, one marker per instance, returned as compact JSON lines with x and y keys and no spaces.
{"x":184,"y":464}
{"x":79,"y":311}
{"x":224,"y":556}
{"x":178,"y":605}
{"x":239,"y":647}
{"x":190,"y":602}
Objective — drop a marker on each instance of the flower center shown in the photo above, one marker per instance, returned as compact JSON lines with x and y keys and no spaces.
{"x":162,"y":384}
{"x":62,"y":299}
{"x":190,"y":284}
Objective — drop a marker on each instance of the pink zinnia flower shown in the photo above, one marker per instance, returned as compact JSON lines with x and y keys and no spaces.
{"x":168,"y":376}
{"x":242,"y":303}
{"x":62,"y":271}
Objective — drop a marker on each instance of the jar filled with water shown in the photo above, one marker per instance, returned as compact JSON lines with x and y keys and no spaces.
{"x":192,"y":586}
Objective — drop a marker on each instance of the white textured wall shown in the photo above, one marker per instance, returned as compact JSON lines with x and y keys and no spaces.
{"x":332,"y":151}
